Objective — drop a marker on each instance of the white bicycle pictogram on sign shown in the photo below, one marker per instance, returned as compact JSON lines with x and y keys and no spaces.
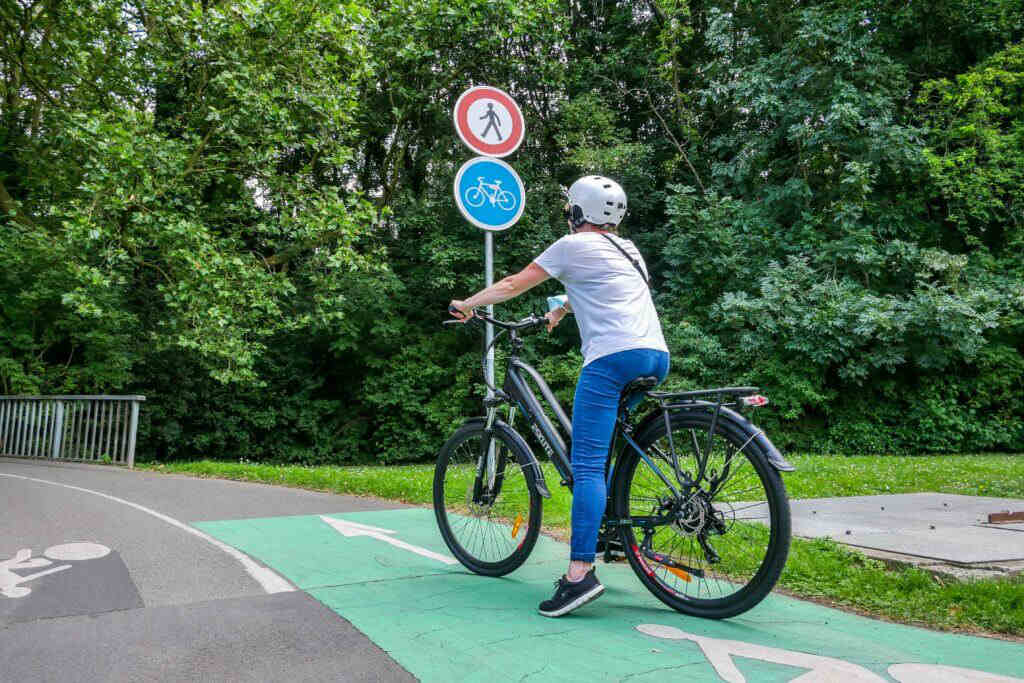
{"x":475,"y":196}
{"x":11,"y":583}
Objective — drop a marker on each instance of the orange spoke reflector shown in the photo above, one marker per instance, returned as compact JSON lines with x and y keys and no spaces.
{"x":515,"y":525}
{"x":680,"y":573}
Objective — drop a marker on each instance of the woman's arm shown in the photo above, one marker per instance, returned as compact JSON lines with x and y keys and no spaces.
{"x":509,"y":288}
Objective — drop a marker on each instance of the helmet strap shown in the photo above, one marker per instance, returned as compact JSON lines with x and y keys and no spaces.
{"x":576,"y":217}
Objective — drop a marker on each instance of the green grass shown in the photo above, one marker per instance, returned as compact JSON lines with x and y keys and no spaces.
{"x":817,"y":569}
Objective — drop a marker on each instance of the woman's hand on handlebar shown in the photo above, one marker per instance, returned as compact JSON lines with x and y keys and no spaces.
{"x":460,"y":311}
{"x":554,"y":317}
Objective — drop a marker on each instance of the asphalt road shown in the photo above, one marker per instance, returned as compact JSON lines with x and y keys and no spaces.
{"x":104,"y":578}
{"x":113,"y":575}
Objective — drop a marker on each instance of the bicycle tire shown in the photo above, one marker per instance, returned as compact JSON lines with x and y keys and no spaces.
{"x":719,"y":603}
{"x":496,"y":524}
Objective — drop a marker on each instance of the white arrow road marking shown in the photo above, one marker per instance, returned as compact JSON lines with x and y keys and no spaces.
{"x":350,"y":529}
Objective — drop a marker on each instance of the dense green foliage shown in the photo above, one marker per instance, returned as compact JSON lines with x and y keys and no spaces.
{"x":243,"y":209}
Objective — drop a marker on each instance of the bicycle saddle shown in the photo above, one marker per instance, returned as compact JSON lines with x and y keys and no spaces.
{"x":640,"y":385}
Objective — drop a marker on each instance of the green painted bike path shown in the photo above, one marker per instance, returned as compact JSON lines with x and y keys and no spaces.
{"x":443,"y":623}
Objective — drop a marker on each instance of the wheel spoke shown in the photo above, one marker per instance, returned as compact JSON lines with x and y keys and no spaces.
{"x":738,"y":527}
{"x":480,"y":533}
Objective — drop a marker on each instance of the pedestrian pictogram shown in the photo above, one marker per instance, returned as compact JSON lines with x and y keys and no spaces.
{"x":489,"y":121}
{"x":489,"y":193}
{"x":493,"y":121}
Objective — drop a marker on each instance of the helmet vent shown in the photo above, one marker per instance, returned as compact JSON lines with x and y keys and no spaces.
{"x":607,"y":186}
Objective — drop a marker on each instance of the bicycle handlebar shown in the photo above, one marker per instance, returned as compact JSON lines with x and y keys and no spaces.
{"x":478,"y":314}
{"x":506,"y":326}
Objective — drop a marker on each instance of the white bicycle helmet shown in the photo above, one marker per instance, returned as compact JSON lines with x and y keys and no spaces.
{"x":596,"y":200}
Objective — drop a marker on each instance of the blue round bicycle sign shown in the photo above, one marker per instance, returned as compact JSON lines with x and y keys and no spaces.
{"x":489,"y":193}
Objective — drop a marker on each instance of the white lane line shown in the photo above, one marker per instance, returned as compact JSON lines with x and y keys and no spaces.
{"x":271,"y":581}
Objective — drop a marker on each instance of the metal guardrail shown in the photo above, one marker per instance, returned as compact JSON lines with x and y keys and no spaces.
{"x":86,"y":428}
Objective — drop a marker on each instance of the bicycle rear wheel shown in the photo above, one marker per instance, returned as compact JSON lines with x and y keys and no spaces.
{"x":729,"y":539}
{"x":488,"y":516}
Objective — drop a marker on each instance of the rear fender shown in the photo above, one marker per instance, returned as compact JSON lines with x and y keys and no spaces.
{"x":538,"y":483}
{"x":775,"y":458}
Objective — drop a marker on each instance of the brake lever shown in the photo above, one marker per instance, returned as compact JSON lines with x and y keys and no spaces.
{"x":463,"y":319}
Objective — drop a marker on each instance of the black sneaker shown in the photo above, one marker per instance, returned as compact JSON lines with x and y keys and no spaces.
{"x":568,"y":595}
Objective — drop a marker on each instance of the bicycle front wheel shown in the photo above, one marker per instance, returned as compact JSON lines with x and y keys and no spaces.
{"x":475,"y":197}
{"x":729,"y":536}
{"x":487,"y":508}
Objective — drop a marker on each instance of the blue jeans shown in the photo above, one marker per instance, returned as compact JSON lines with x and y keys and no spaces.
{"x":594,"y":410}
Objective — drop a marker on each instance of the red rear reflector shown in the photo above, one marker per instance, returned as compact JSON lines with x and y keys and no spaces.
{"x":754,"y":401}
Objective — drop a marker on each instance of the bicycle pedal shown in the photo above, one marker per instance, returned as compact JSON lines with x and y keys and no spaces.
{"x":613,"y":556}
{"x":612,"y":550}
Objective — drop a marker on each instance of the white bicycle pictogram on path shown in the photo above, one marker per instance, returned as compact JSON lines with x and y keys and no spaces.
{"x":11,"y":583}
{"x":719,"y":653}
{"x":475,"y":196}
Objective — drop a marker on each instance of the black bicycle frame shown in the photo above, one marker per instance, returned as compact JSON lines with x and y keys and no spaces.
{"x":556,"y":444}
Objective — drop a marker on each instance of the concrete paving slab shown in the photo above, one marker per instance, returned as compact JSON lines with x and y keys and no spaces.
{"x":944,"y":527}
{"x":956,"y":545}
{"x":1005,"y":527}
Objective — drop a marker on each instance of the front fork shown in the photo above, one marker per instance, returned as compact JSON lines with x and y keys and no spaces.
{"x":491,"y":462}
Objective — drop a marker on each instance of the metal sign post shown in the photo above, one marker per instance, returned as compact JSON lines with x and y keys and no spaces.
{"x":489,"y":334}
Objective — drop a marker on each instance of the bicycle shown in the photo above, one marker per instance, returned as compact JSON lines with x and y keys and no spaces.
{"x":475,"y":196}
{"x":709,"y":539}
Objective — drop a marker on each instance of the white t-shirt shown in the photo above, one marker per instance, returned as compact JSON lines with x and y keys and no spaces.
{"x":610,"y":300}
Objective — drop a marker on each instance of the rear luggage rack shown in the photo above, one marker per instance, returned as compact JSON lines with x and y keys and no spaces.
{"x":747,"y":396}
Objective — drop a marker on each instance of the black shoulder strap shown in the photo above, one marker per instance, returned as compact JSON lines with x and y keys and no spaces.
{"x":636,"y":264}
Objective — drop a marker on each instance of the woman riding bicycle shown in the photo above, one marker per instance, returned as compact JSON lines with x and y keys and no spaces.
{"x":606,"y":283}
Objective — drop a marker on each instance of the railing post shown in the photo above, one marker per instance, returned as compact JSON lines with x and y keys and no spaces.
{"x":58,"y":431}
{"x":22,"y":425}
{"x":3,"y":426}
{"x":132,"y":434}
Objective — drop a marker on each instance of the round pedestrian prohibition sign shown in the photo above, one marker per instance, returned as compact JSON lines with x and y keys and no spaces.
{"x":489,"y":121}
{"x":489,"y":193}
